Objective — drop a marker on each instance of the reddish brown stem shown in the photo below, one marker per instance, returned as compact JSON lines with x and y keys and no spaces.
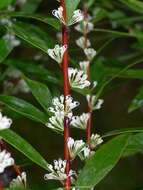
{"x":89,"y":110}
{"x":65,"y":41}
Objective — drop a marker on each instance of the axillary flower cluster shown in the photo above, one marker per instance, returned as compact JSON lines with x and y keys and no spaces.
{"x":62,"y":107}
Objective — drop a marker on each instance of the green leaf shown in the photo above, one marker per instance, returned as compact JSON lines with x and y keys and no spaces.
{"x":47,"y":20}
{"x":5,"y":49}
{"x":70,"y":8}
{"x":24,"y":147}
{"x":30,"y":68}
{"x":33,"y":35}
{"x":30,"y":6}
{"x":135,"y":5}
{"x":137,"y":102}
{"x":100,"y":14}
{"x":102,"y":162}
{"x":5,"y":3}
{"x":40,"y":92}
{"x":135,"y":145}
{"x":24,"y":108}
{"x":122,"y":131}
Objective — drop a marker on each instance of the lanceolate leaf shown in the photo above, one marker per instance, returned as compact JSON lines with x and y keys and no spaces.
{"x":5,"y":49}
{"x":24,"y":108}
{"x":47,"y":20}
{"x":135,"y":145}
{"x":102,"y":162}
{"x":24,"y":147}
{"x":70,"y":8}
{"x":33,"y":35}
{"x":40,"y":92}
{"x":137,"y":102}
{"x":135,"y":5}
{"x":122,"y":131}
{"x":30,"y":68}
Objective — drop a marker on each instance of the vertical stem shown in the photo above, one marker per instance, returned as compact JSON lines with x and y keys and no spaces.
{"x":65,"y":41}
{"x":89,"y":109}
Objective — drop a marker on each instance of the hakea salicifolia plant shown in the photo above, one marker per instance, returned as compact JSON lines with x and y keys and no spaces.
{"x":6,"y":160}
{"x":63,"y":106}
{"x":10,"y":37}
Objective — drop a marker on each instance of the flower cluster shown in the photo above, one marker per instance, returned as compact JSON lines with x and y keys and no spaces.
{"x":78,"y":79}
{"x":80,"y":122}
{"x":19,"y":181}
{"x":81,"y":149}
{"x":95,"y":140}
{"x":94,"y":102}
{"x":58,"y":171}
{"x":76,"y":17}
{"x":62,"y":107}
{"x":11,"y":40}
{"x":57,"y":53}
{"x":75,"y":147}
{"x":83,"y":43}
{"x":15,"y":82}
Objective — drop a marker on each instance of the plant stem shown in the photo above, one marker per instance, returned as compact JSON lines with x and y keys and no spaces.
{"x":89,"y":124}
{"x":65,"y":41}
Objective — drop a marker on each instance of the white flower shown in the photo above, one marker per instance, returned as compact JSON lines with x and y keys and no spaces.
{"x":58,"y":171}
{"x":90,"y":53}
{"x":95,"y":140}
{"x":76,"y":17}
{"x":20,"y":181}
{"x":56,"y":123}
{"x":75,"y":147}
{"x":57,"y":53}
{"x":83,"y":43}
{"x":5,"y":160}
{"x":11,"y":39}
{"x":81,"y":27}
{"x":60,"y":109}
{"x":5,"y":122}
{"x":59,"y":14}
{"x":77,"y":78}
{"x":84,"y":65}
{"x":93,"y":102}
{"x":80,"y":121}
{"x":86,"y":153}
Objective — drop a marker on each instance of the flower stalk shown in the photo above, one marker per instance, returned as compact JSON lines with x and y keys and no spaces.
{"x":65,"y":41}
